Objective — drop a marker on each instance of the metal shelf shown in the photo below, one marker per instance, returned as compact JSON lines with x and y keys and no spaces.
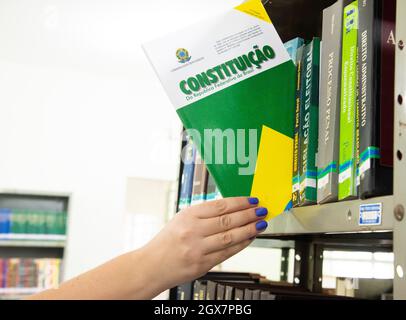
{"x":33,"y":243}
{"x":19,"y":291}
{"x":340,"y":217}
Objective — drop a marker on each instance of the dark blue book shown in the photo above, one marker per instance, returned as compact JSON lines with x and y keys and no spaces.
{"x":5,"y":215}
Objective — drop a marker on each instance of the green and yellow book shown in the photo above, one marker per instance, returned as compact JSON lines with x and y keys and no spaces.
{"x":347,"y":187}
{"x":232,"y":83}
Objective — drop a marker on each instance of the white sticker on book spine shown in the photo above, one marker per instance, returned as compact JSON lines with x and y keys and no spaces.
{"x":322,"y":182}
{"x":370,"y":214}
{"x":311,"y":183}
{"x":345,"y":175}
{"x":365,"y":166}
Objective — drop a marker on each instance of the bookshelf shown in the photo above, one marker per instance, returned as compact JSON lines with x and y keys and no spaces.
{"x":341,"y":218}
{"x":313,"y":229}
{"x":32,"y":244}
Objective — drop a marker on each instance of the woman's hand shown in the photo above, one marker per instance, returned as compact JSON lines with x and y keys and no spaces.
{"x":195,"y":241}
{"x":202,"y":236}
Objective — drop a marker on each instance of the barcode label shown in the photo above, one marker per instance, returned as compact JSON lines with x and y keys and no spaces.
{"x":370,"y":214}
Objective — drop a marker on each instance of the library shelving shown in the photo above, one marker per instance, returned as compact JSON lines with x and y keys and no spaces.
{"x":33,"y":237}
{"x":311,"y":230}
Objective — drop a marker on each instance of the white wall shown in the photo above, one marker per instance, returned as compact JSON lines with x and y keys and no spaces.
{"x":81,"y":110}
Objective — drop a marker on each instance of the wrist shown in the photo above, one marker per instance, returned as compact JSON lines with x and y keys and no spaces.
{"x":151,"y":276}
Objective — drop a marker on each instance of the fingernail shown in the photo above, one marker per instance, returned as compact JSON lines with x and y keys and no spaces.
{"x":261,"y":225}
{"x":253,"y":200}
{"x":261,"y":212}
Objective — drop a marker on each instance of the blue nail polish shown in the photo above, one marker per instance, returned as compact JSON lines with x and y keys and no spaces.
{"x":253,"y":200}
{"x":262,"y":225}
{"x":261,"y":212}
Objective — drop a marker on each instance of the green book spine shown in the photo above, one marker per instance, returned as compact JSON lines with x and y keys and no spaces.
{"x":17,"y":222}
{"x":309,"y":122}
{"x":41,"y":222}
{"x":51,"y":223}
{"x":296,"y":152}
{"x":348,"y":129}
{"x":65,"y":222}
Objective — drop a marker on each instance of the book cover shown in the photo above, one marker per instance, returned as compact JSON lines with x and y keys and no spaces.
{"x":375,"y":180}
{"x":347,"y":187}
{"x":188,"y":156}
{"x":296,"y":145}
{"x":309,"y":123}
{"x":387,"y":81}
{"x":292,"y":47}
{"x":232,"y":83}
{"x":329,"y":104}
{"x":200,"y":177}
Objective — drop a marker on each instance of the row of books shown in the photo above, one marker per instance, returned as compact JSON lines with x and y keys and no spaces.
{"x":25,"y":222}
{"x":24,"y":273}
{"x":243,"y":286}
{"x":197,"y":185}
{"x":344,"y":107}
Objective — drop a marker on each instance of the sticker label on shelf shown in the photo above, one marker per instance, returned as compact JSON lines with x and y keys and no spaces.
{"x":370,"y":214}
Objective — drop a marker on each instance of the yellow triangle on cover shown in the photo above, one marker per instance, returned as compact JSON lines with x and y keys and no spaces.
{"x":255,"y":9}
{"x":272,"y":183}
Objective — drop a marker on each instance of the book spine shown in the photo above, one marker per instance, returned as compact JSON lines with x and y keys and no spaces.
{"x":296,"y":152}
{"x":330,"y":93}
{"x":229,"y":293}
{"x":211,"y":290}
{"x":1,"y":272}
{"x":374,"y":179}
{"x":292,"y":47}
{"x":239,"y":294}
{"x":304,"y":115}
{"x":187,"y":175}
{"x":211,"y":189}
{"x":196,"y":289}
{"x":199,"y":181}
{"x":387,"y":82}
{"x":309,"y":123}
{"x":248,"y":294}
{"x":220,"y":292}
{"x":202,"y":291}
{"x":185,"y":291}
{"x":265,"y":295}
{"x":256,"y":294}
{"x":4,"y":221}
{"x":347,"y":163}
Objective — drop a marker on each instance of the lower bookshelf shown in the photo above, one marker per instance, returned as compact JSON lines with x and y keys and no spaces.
{"x":33,"y":236}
